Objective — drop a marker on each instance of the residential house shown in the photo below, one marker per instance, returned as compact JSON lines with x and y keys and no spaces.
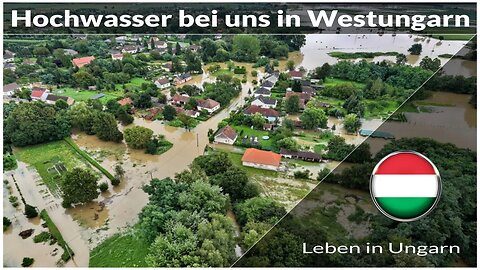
{"x":183,"y":78}
{"x":29,"y":62}
{"x":69,"y":52}
{"x":162,"y":83}
{"x":10,"y":89}
{"x":262,"y":91}
{"x":79,"y":36}
{"x":39,"y":93}
{"x":51,"y":99}
{"x":295,"y":75}
{"x":131,"y":49}
{"x":261,"y":159}
{"x":208,"y":104}
{"x":157,"y":43}
{"x":265,"y":102}
{"x":301,"y":155}
{"x":272,"y":78}
{"x":304,"y":96}
{"x":125,"y":101}
{"x":270,"y":114}
{"x":117,"y":56}
{"x":226,"y":135}
{"x":82,"y":61}
{"x":192,"y":113}
{"x":309,"y":90}
{"x":167,"y":67}
{"x":8,"y":56}
{"x":180,"y":100}
{"x":10,"y":66}
{"x":268,"y":85}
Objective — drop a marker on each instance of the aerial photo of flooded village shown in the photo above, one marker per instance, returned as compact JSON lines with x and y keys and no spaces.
{"x":117,"y":146}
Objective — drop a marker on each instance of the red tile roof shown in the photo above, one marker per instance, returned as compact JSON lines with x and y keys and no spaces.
{"x":254,"y":155}
{"x":82,"y":61}
{"x":37,"y":93}
{"x":125,"y":101}
{"x":305,"y":96}
{"x":179,"y":98}
{"x":295,"y":73}
{"x":266,"y":112}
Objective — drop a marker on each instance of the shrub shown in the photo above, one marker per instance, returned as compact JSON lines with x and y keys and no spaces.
{"x":6,"y":223}
{"x":30,"y":211}
{"x":301,"y":174}
{"x":27,"y":261}
{"x":42,"y":237}
{"x":115,"y":181}
{"x":103,"y":186}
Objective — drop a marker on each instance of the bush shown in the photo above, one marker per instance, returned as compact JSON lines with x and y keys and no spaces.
{"x":115,"y":181}
{"x":42,"y":237}
{"x":6,"y":223}
{"x":30,"y":211}
{"x":301,"y":174}
{"x":27,"y":261}
{"x":103,"y":186}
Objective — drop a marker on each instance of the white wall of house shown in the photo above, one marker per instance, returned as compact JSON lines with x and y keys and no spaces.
{"x":223,"y":139}
{"x":259,"y":103}
{"x":163,"y":86}
{"x":260,"y":166}
{"x":212,"y":110}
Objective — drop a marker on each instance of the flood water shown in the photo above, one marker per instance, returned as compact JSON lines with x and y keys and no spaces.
{"x":84,"y":227}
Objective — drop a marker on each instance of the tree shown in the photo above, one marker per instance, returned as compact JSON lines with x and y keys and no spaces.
{"x":245,"y":48}
{"x":176,"y":65}
{"x":138,"y":137}
{"x":213,"y":164}
{"x":235,"y":183}
{"x":103,"y":186}
{"x":352,"y":123}
{"x":322,"y":72}
{"x":33,"y":123}
{"x":83,"y":79}
{"x":416,"y":49}
{"x":142,"y":100}
{"x":186,"y":120}
{"x":338,"y":149}
{"x":374,"y":89}
{"x":203,"y":198}
{"x":61,"y":104}
{"x":354,"y":105}
{"x":81,"y":117}
{"x":401,"y":59}
{"x":313,"y":118}
{"x":290,"y":65}
{"x":78,"y":186}
{"x":123,"y":116}
{"x":258,"y":121}
{"x":288,"y":143}
{"x":430,"y":64}
{"x":259,"y":209}
{"x":105,"y":127}
{"x":292,"y":104}
{"x":30,"y":211}
{"x":297,"y":86}
{"x":169,"y":112}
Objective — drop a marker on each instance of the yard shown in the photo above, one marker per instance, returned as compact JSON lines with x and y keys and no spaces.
{"x":84,"y":95}
{"x":50,"y":160}
{"x":243,"y":131}
{"x":125,"y":250}
{"x":334,"y":82}
{"x":134,"y":83}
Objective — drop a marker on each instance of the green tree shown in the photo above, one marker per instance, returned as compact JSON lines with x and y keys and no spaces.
{"x":313,"y":118}
{"x":83,"y":79}
{"x":374,"y":89}
{"x":430,"y":64}
{"x":258,"y":121}
{"x":123,"y":116}
{"x":401,"y":59}
{"x":290,"y":65}
{"x":259,"y":209}
{"x":138,"y":137}
{"x":30,"y":211}
{"x":322,"y":72}
{"x":61,"y":104}
{"x":292,"y":104}
{"x":169,"y":112}
{"x":235,"y":183}
{"x":213,"y":164}
{"x":81,"y":117}
{"x":78,"y":186}
{"x":288,"y":143}
{"x":186,"y":120}
{"x":352,"y":123}
{"x":105,"y":127}
{"x":246,"y":48}
{"x":415,"y":49}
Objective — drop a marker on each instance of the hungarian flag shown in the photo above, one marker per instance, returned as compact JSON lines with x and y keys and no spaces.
{"x":405,"y":186}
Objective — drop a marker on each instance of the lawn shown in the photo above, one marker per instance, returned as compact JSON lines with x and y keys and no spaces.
{"x":379,"y":108}
{"x":333,"y":82}
{"x":120,"y":250}
{"x":135,"y":83}
{"x":243,"y":130}
{"x":45,"y":156}
{"x":84,"y":95}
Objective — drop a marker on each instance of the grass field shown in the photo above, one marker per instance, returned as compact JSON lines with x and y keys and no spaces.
{"x":334,"y":81}
{"x":120,"y":250}
{"x":44,"y":156}
{"x":84,"y":95}
{"x":134,"y":83}
{"x":243,"y":130}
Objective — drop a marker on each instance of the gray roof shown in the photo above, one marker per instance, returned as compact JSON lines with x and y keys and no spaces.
{"x":97,"y":96}
{"x":263,"y":91}
{"x":11,"y":87}
{"x":266,"y":100}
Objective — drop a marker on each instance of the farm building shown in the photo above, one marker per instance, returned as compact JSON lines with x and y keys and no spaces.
{"x":301,"y":155}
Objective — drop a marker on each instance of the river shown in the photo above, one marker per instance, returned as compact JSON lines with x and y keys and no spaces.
{"x":84,"y":227}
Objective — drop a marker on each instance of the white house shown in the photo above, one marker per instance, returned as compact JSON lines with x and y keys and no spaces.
{"x":162,"y":83}
{"x":262,"y":91}
{"x":131,"y":49}
{"x":209,"y":105}
{"x":265,"y":102}
{"x":261,"y":159}
{"x":226,"y":135}
{"x":10,"y":89}
{"x":183,"y":78}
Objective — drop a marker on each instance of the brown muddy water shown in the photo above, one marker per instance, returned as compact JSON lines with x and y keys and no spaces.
{"x":84,"y":227}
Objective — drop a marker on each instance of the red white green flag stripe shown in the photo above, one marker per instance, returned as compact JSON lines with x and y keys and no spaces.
{"x":405,"y":186}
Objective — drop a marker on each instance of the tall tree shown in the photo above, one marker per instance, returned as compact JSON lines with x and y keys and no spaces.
{"x":78,"y":186}
{"x":105,"y":127}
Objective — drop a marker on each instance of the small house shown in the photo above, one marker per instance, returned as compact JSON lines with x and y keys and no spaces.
{"x":82,"y":61}
{"x":8,"y":56}
{"x":162,"y":83}
{"x":295,"y":75}
{"x":183,"y":78}
{"x":39,"y":93}
{"x":10,"y":89}
{"x":270,"y":114}
{"x":125,"y":101}
{"x":261,"y":159}
{"x":265,"y":102}
{"x":180,"y":100}
{"x":262,"y":91}
{"x":69,"y":52}
{"x":117,"y":56}
{"x":209,"y":105}
{"x":226,"y":135}
{"x":131,"y":49}
{"x":51,"y":99}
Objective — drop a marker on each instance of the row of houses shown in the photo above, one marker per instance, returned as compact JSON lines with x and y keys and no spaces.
{"x":37,"y":93}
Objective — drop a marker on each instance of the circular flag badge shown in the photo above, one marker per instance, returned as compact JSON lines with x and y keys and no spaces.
{"x":405,"y":186}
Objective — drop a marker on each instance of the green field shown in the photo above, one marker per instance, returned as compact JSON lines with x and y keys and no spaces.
{"x":243,"y":130}
{"x":84,"y":95}
{"x":45,"y":156}
{"x":134,"y":83}
{"x":333,"y":82}
{"x":120,"y":250}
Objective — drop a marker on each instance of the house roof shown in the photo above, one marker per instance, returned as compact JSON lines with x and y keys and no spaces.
{"x":267,"y":100}
{"x":8,"y":54}
{"x":263,"y":91}
{"x":70,"y":52}
{"x":129,"y":48}
{"x":80,"y":62}
{"x":308,"y":90}
{"x":180,"y":98}
{"x":125,"y":101}
{"x":37,"y":93}
{"x":207,"y":103}
{"x":97,"y":96}
{"x":162,"y":81}
{"x":268,"y":84}
{"x":304,"y":96}
{"x":300,"y":154}
{"x":117,"y":55}
{"x":295,"y":73}
{"x":184,"y":76}
{"x":266,"y":112}
{"x":228,"y":132}
{"x":254,"y":155}
{"x":52,"y":97}
{"x":11,"y":87}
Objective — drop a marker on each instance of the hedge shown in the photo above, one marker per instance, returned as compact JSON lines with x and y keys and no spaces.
{"x":67,"y":251}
